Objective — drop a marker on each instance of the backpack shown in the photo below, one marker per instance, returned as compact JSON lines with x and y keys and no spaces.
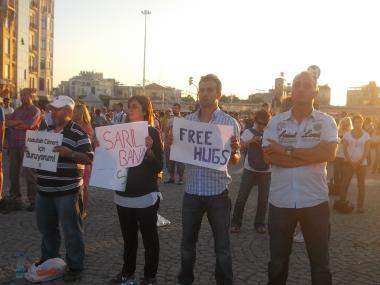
{"x":255,"y":154}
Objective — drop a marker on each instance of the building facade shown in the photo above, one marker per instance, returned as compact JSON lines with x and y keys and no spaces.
{"x":324,"y":95}
{"x":26,"y":35}
{"x":8,"y":51}
{"x":88,"y":83}
{"x":366,"y":95}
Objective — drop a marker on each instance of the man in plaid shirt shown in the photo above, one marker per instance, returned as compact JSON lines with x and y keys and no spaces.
{"x":26,"y":117}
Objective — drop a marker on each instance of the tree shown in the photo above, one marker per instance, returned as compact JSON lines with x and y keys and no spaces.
{"x":188,"y":99}
{"x":105,"y":99}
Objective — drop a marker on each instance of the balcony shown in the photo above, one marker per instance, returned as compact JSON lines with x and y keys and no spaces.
{"x":33,"y":5}
{"x":12,"y":5}
{"x":33,"y":26}
{"x":33,"y":48}
{"x":33,"y":69}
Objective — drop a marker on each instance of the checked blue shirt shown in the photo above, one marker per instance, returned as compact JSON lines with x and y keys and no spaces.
{"x":203,"y":181}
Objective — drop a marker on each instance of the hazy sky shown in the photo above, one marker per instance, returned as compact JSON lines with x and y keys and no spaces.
{"x":246,"y":43}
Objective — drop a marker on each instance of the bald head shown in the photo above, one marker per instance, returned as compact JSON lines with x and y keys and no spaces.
{"x":304,"y":89}
{"x":310,"y":77}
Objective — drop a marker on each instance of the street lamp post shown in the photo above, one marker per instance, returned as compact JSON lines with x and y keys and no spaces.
{"x":191,"y":83}
{"x":145,"y":13}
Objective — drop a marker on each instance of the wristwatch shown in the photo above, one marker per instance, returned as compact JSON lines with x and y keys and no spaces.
{"x":289,"y":150}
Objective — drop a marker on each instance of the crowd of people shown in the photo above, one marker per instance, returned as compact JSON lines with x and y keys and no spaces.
{"x":285,"y":154}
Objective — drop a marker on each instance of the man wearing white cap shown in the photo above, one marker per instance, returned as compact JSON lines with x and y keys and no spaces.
{"x":58,"y":198}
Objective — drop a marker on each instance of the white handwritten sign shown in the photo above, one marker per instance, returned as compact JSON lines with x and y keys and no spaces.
{"x":39,"y":150}
{"x":120,"y":147}
{"x":201,"y":144}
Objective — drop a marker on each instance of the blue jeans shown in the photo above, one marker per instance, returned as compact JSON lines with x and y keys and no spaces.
{"x":65,"y":210}
{"x":315,"y":225}
{"x":217,"y":209}
{"x":248,"y":180}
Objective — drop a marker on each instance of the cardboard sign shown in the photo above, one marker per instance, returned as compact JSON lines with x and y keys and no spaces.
{"x":201,"y":144}
{"x":39,"y":153}
{"x":120,"y":147}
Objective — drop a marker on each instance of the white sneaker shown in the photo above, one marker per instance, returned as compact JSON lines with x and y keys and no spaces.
{"x":298,"y":237}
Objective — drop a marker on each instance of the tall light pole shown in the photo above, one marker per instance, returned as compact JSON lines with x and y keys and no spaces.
{"x":145,"y":13}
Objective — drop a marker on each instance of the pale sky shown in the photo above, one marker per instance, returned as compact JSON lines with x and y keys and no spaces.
{"x":246,"y":43}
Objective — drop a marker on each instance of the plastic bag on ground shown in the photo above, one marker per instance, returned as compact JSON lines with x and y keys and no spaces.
{"x":49,"y":270}
{"x":162,"y":222}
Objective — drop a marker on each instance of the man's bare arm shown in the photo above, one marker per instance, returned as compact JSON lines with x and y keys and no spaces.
{"x":323,"y":152}
{"x":282,"y":160}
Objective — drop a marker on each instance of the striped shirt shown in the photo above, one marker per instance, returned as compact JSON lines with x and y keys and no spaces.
{"x":69,"y":175}
{"x":204,"y":181}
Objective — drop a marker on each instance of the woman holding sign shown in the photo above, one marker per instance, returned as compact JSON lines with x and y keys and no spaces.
{"x":137,"y":206}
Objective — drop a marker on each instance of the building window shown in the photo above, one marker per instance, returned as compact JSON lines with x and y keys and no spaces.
{"x":31,"y":82}
{"x":41,"y":84}
{"x":43,"y":63}
{"x":7,"y":44}
{"x":24,"y":73}
{"x":43,"y":22}
{"x":6,"y":71}
{"x":43,"y":44}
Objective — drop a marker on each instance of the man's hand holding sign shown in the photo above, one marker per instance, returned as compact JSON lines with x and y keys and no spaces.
{"x":202,"y":144}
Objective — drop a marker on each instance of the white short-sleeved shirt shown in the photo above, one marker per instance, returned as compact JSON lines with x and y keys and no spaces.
{"x":356,"y":146}
{"x":304,"y":186}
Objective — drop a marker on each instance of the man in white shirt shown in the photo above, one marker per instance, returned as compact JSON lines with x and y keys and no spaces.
{"x":119,"y":116}
{"x":297,"y":144}
{"x":6,"y":106}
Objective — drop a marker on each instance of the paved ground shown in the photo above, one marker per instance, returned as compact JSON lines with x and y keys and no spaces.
{"x":355,"y":243}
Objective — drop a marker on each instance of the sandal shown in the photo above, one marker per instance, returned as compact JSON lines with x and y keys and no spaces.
{"x":235,"y":229}
{"x":261,"y":229}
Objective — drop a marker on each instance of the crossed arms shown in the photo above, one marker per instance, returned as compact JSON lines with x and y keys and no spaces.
{"x":275,"y":154}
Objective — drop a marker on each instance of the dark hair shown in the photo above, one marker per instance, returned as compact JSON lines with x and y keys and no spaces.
{"x":212,"y":77}
{"x":29,"y":91}
{"x":97,"y":112}
{"x":265,"y":105}
{"x":357,"y":117}
{"x":263,"y":115}
{"x":147,"y":107}
{"x":5,"y":93}
{"x":120,"y":105}
{"x":177,"y":105}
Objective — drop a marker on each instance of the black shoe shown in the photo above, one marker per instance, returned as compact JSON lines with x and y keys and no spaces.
{"x":11,"y":205}
{"x":72,"y":275}
{"x":180,"y":182}
{"x":260,"y":229}
{"x":148,"y":281}
{"x":121,"y":279}
{"x":30,"y":208}
{"x":3,"y":203}
{"x":17,"y":206}
{"x":170,"y":181}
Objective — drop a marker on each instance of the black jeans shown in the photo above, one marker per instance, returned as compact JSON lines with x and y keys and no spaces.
{"x":131,"y":219}
{"x":217,"y":209}
{"x":338,"y":172}
{"x":315,"y":225}
{"x":348,"y":172}
{"x":248,"y":180}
